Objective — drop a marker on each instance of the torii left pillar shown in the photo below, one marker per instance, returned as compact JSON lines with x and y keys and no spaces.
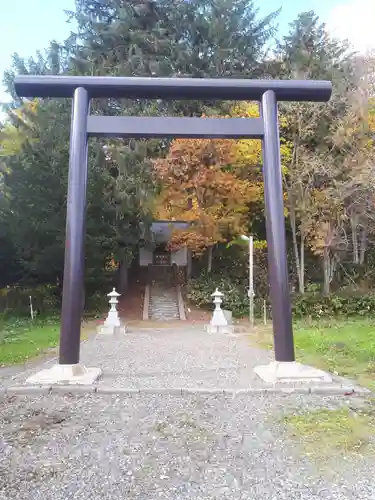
{"x":69,"y":370}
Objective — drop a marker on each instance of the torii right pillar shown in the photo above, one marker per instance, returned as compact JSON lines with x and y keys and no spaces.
{"x":284,"y":368}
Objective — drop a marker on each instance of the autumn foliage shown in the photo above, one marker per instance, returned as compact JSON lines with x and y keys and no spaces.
{"x":200,"y":186}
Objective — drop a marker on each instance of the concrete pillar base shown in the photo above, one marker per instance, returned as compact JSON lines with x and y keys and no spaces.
{"x":65,"y":374}
{"x":290,"y":372}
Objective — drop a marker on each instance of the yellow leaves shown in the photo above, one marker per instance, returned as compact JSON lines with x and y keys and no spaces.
{"x":246,"y":110}
{"x":247,"y":152}
{"x":286,"y":150}
{"x":27,"y":107}
{"x":283,"y":122}
{"x":319,"y":233}
{"x":260,"y":244}
{"x":284,"y":169}
{"x":371,"y":122}
{"x":195,"y":204}
{"x":12,"y":138}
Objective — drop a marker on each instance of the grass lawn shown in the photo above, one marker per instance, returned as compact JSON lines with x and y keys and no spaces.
{"x":345,"y":347}
{"x":21,"y":339}
{"x":328,"y":434}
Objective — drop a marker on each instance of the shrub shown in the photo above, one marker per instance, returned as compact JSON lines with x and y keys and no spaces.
{"x":46,"y":300}
{"x":15,"y":300}
{"x":96,"y":303}
{"x":315,"y":305}
{"x":199,"y":292}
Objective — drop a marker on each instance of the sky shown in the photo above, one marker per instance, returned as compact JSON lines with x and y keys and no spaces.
{"x":29,"y":25}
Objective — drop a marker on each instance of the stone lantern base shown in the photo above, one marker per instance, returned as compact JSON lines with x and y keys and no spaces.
{"x":111,"y":330}
{"x":226,"y":329}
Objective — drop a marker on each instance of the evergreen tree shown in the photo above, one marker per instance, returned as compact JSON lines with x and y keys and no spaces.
{"x":36,"y":181}
{"x":198,"y":38}
{"x":169,"y":38}
{"x":309,"y":52}
{"x":35,"y":157}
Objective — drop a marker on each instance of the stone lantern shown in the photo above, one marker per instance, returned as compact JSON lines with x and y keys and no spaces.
{"x":221,"y":320}
{"x":112,"y":324}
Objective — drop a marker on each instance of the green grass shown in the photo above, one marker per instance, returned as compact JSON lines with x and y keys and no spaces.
{"x":325,"y":434}
{"x":344,"y":347}
{"x":21,"y":339}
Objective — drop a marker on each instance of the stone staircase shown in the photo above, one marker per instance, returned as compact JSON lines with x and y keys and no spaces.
{"x":163,"y":302}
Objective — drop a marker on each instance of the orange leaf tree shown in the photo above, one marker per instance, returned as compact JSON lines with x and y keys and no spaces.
{"x":199,"y":186}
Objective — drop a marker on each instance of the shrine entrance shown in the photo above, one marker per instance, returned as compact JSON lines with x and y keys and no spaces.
{"x":161,"y":256}
{"x":84,"y":125}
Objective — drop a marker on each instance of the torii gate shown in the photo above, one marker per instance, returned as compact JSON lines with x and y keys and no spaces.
{"x":83,"y":125}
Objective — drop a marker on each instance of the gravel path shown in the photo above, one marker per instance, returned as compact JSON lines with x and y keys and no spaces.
{"x":176,"y":358}
{"x":147,"y":447}
{"x":172,"y":358}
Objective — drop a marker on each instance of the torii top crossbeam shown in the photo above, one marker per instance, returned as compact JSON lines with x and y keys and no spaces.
{"x":172,"y":88}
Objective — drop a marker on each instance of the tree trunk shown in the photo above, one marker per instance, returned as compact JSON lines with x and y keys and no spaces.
{"x":353,"y":224}
{"x":293,"y":225}
{"x":59,"y":283}
{"x":326,"y":272}
{"x":302,"y":266}
{"x":209,"y":263}
{"x":363,"y":245}
{"x":123,"y":277}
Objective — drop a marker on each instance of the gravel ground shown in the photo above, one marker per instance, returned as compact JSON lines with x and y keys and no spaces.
{"x":171,"y":358}
{"x":176,"y":358}
{"x":100,"y":447}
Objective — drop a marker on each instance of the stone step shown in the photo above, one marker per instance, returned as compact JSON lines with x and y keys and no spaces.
{"x":164,"y":306}
{"x":163,"y":303}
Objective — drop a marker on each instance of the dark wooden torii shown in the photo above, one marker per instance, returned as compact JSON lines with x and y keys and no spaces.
{"x":83,"y":125}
